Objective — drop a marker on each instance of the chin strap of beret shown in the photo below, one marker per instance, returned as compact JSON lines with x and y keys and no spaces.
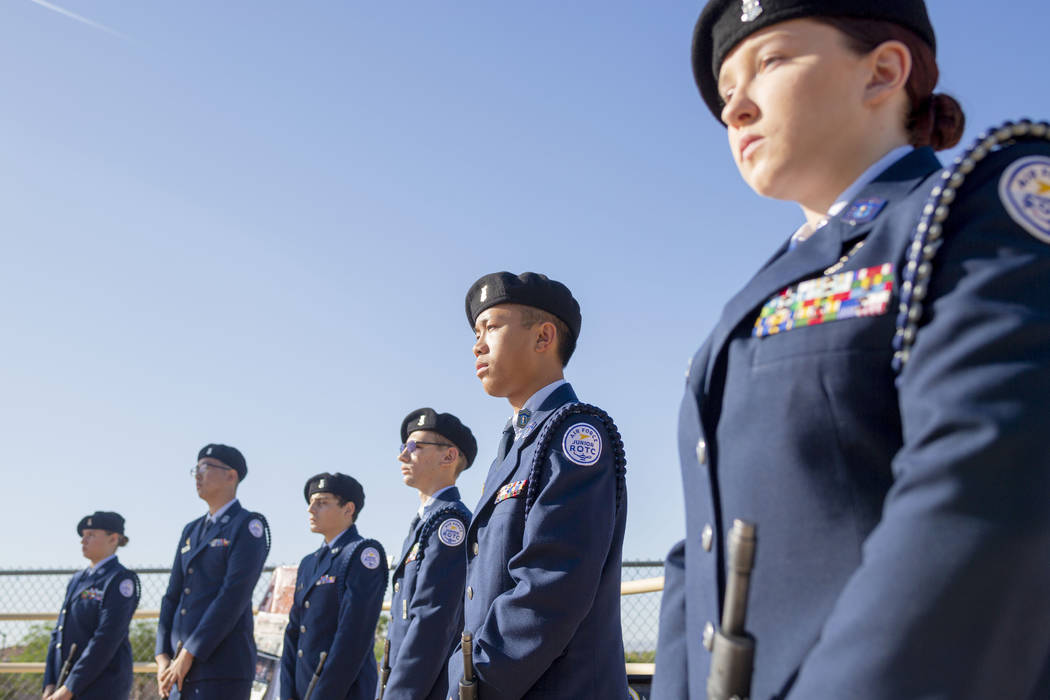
{"x":928,"y":234}
{"x":550,"y":427}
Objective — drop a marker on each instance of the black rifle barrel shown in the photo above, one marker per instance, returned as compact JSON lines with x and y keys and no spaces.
{"x":468,"y":689}
{"x":317,"y":676}
{"x":67,"y":666}
{"x":733,"y":649}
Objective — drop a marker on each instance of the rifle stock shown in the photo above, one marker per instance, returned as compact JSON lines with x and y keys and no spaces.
{"x":384,"y":669}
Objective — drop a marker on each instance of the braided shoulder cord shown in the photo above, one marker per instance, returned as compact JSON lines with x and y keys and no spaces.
{"x":927,"y":238}
{"x":434,"y":522}
{"x":547,"y":434}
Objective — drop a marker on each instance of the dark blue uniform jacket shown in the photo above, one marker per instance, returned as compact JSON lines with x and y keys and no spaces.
{"x":543,"y":588}
{"x":426,"y":609}
{"x":903,"y":521}
{"x":95,"y":616}
{"x":338,"y":597}
{"x":208,"y":603}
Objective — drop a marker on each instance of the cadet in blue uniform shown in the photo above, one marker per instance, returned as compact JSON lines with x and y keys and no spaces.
{"x":208,"y":605}
{"x":426,"y":610}
{"x":545,"y":544}
{"x":338,"y":595}
{"x":875,"y":398}
{"x":96,"y":611}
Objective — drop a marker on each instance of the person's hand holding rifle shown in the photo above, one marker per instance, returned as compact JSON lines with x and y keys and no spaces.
{"x":733,"y":653}
{"x":468,"y":689}
{"x":59,"y":690}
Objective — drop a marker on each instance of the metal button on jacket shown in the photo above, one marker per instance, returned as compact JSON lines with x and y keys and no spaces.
{"x":701,"y":452}
{"x":470,"y":592}
{"x":709,"y":636}
{"x":707,"y":537}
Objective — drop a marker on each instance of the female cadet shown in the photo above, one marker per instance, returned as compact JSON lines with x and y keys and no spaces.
{"x":89,"y":655}
{"x":875,"y":399}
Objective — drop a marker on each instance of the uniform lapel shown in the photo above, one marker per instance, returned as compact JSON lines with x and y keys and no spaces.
{"x":822,"y":250}
{"x":210,"y":532}
{"x":325,"y":564}
{"x":81,"y":585}
{"x":498,"y":474}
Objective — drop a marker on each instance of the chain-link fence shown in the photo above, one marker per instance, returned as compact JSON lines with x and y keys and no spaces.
{"x":30,"y":599}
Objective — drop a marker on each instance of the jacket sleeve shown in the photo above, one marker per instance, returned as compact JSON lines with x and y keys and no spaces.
{"x":118,"y":605}
{"x":50,"y":675}
{"x":549,"y":594}
{"x":169,"y":603}
{"x":435,"y":618}
{"x":291,"y":643}
{"x":247,"y":556}
{"x":354,"y":639}
{"x":951,"y":599}
{"x":671,"y":678}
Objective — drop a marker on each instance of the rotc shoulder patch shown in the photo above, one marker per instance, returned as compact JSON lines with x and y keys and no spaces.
{"x":255,"y":527}
{"x":850,"y":294}
{"x":1024,"y":189}
{"x":127,"y":588}
{"x":582,"y":444}
{"x":370,"y":557}
{"x":452,"y":532}
{"x":511,"y":490}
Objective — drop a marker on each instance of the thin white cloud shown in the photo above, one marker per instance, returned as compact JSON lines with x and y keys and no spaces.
{"x":76,"y":17}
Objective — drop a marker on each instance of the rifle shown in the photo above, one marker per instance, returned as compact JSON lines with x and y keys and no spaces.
{"x":67,"y":666}
{"x":468,"y":689}
{"x":317,"y":676}
{"x":384,"y":669}
{"x":733,"y":652}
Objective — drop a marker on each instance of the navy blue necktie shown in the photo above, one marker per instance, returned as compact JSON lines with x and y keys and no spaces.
{"x":506,"y":442}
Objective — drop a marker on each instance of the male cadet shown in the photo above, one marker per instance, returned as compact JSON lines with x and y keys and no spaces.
{"x":426,"y":610}
{"x":207,"y":609}
{"x":544,"y":547}
{"x":338,"y":594}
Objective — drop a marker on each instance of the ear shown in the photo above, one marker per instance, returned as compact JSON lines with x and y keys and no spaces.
{"x":546,"y":336}
{"x":451,"y":455}
{"x":889,"y":66}
{"x":352,"y":511}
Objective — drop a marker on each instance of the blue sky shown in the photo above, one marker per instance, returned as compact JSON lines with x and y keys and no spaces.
{"x":255,"y":222}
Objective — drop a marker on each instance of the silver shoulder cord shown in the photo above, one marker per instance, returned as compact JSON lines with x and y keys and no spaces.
{"x":927,"y":237}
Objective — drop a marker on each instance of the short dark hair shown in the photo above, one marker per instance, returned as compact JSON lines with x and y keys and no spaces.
{"x":530,"y":316}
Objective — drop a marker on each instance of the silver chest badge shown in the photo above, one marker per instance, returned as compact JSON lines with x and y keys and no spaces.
{"x":750,"y":10}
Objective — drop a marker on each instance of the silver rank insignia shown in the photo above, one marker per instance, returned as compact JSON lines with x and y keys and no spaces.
{"x":484,"y":292}
{"x":750,"y":10}
{"x":422,"y":420}
{"x":320,"y":483}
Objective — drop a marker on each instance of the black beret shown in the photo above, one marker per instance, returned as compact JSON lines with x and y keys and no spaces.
{"x":102,"y":520}
{"x":529,"y":289}
{"x":445,"y":425}
{"x":230,"y":456}
{"x":347,"y":487}
{"x":725,"y":23}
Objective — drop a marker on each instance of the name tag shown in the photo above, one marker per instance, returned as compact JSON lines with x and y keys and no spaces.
{"x":851,"y":294}
{"x":511,"y":490}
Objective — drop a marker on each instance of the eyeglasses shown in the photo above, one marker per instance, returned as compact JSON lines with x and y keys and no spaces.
{"x":201,"y":468}
{"x":412,"y":445}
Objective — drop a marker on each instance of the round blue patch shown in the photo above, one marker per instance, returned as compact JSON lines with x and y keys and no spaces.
{"x":1024,"y":189}
{"x":370,"y":558}
{"x":452,"y":532}
{"x":582,"y":444}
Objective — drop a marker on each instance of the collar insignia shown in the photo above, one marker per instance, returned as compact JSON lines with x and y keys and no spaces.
{"x":523,"y":418}
{"x":863,"y":210}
